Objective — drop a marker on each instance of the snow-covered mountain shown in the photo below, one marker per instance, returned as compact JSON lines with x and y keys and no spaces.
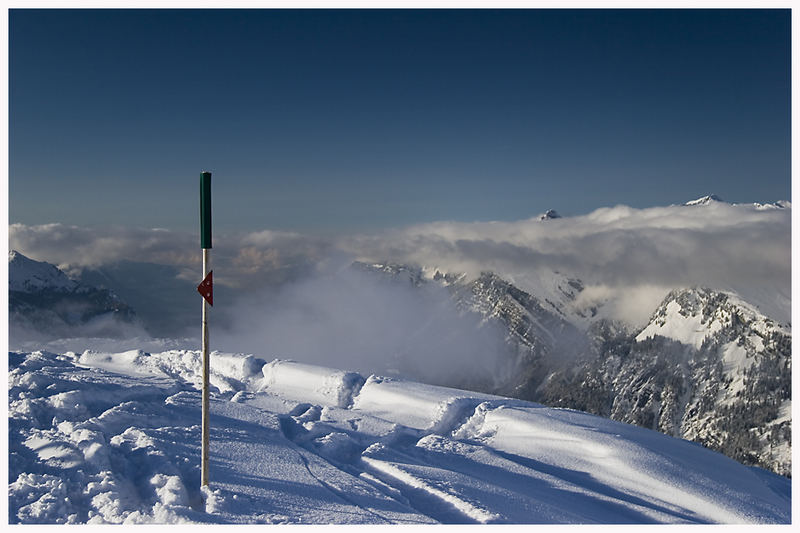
{"x":714,"y":199}
{"x":550,"y":214}
{"x":44,"y":303}
{"x":115,"y":438}
{"x":707,"y":366}
{"x":705,"y":200}
{"x":27,"y":275}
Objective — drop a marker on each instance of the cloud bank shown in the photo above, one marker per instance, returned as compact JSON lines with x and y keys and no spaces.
{"x":619,"y":252}
{"x":239,"y":260}
{"x":627,"y":258}
{"x":354,"y":320}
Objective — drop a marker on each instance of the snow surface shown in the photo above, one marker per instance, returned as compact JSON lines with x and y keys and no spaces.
{"x":114,"y":438}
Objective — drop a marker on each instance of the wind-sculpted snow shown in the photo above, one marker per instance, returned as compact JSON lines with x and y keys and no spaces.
{"x":415,"y":405}
{"x":114,"y":438}
{"x":313,"y":383}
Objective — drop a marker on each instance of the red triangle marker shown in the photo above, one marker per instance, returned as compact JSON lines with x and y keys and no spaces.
{"x":206,"y":288}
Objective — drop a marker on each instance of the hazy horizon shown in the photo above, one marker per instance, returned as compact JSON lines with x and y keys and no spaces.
{"x":628,"y":256}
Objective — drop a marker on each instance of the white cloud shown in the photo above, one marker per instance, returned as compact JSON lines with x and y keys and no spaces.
{"x":250,"y":258}
{"x":630,"y":252}
{"x":629,"y":256}
{"x":357,"y":321}
{"x":79,"y":246}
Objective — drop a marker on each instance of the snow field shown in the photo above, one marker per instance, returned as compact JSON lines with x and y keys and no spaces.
{"x":657,"y":482}
{"x":114,"y":438}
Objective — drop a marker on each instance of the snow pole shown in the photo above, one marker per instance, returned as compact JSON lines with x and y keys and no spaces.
{"x":206,"y":290}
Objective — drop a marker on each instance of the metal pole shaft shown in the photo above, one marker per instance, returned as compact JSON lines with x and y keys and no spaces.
{"x":204,"y":451}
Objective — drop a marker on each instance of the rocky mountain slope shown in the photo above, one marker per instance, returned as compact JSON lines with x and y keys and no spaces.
{"x":707,"y":367}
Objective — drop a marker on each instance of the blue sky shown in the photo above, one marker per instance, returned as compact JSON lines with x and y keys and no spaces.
{"x":342,"y":120}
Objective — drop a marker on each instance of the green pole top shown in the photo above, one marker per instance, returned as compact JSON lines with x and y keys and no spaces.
{"x":205,"y":210}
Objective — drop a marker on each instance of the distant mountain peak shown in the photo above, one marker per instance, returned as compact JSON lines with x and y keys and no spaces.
{"x":28,"y":275}
{"x":549,"y":215}
{"x":44,"y":303}
{"x":714,"y":199}
{"x":705,"y":200}
{"x":780,"y":204}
